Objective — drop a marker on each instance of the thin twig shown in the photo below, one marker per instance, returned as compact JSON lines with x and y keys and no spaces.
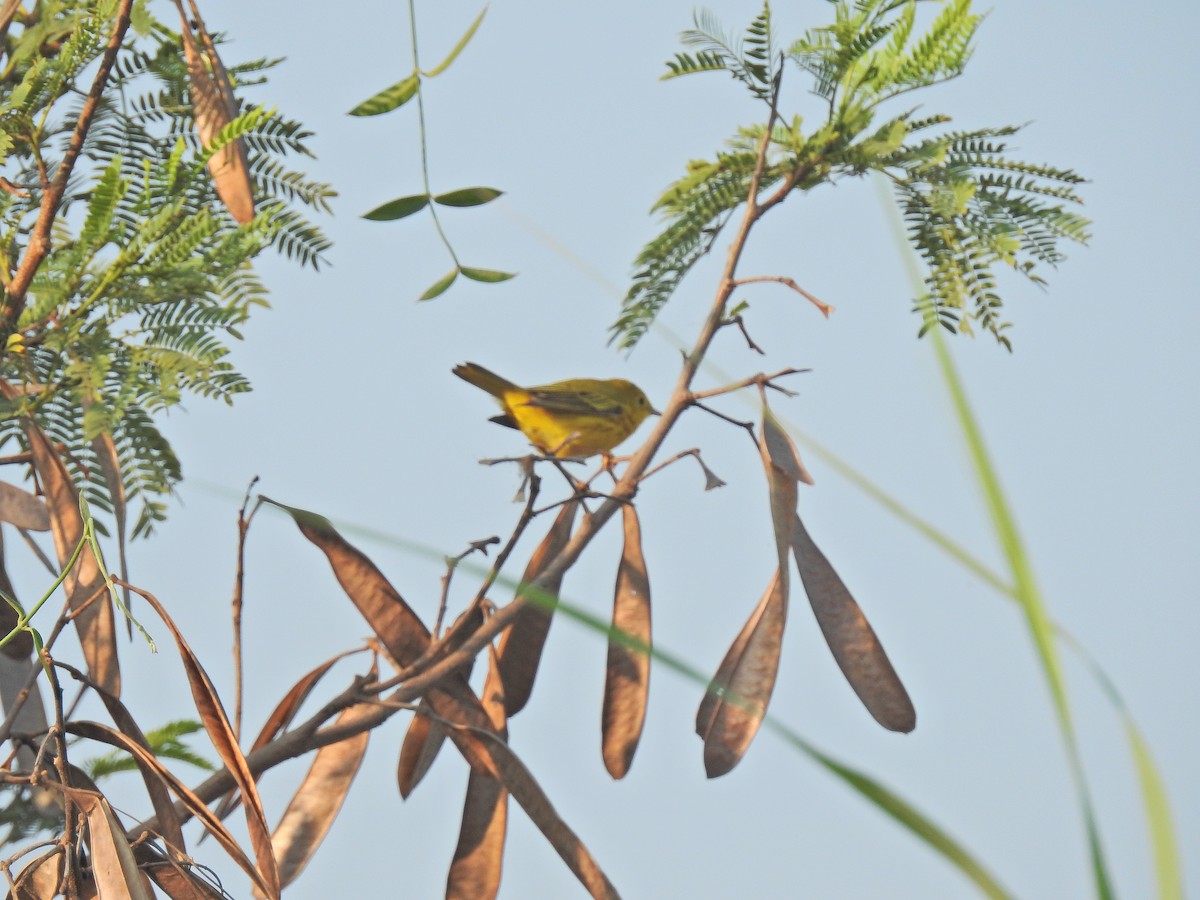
{"x":759,"y":380}
{"x":749,"y":426}
{"x":825,"y":308}
{"x":711,"y":479}
{"x":243,"y":525}
{"x":452,"y":562}
{"x":527,"y":516}
{"x":740,"y":322}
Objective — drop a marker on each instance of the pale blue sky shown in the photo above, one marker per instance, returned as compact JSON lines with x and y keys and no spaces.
{"x":1092,"y":423}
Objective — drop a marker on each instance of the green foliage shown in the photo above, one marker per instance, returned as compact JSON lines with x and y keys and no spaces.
{"x":149,"y":278}
{"x":165,"y":742}
{"x":968,"y":206}
{"x":21,"y":817}
{"x":395,"y":96}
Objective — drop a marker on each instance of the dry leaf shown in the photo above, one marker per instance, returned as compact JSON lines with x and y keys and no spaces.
{"x":316,"y":803}
{"x":528,"y":793}
{"x":40,"y":878}
{"x":627,"y":676}
{"x":220,"y":732}
{"x":95,"y":624}
{"x":170,"y":829}
{"x":177,"y":882}
{"x":732,"y":711}
{"x":405,"y":639}
{"x":421,"y":744}
{"x":851,"y":638}
{"x":214,"y":107}
{"x":23,"y":509}
{"x":281,"y":717}
{"x":479,"y":854}
{"x":522,"y":642}
{"x":400,"y":630}
{"x":778,"y":447}
{"x":197,"y":807}
{"x":114,"y":869}
{"x":784,"y":471}
{"x":467,"y":723}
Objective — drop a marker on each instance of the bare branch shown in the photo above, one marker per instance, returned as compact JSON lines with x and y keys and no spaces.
{"x":825,"y":308}
{"x":711,"y":479}
{"x":760,"y":380}
{"x":740,"y":322}
{"x":243,"y":525}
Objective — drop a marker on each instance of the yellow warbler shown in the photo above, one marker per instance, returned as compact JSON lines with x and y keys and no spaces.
{"x":579,"y":417}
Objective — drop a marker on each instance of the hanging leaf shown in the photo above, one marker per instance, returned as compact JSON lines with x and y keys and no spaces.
{"x":40,"y":879}
{"x":627,"y":676}
{"x":214,"y":107}
{"x":23,"y":509}
{"x":319,"y":798}
{"x":737,"y":698}
{"x":487,"y":276}
{"x":524,"y":788}
{"x":114,"y":868}
{"x":176,"y":881}
{"x":220,"y":732}
{"x":389,"y":98}
{"x":780,"y":449}
{"x":398,"y":208}
{"x":197,"y":807}
{"x":170,"y":827}
{"x":280,"y":718}
{"x":400,"y":630}
{"x":95,"y":623}
{"x":405,"y":639}
{"x":440,"y":286}
{"x":459,"y":47}
{"x":851,"y":639}
{"x":403,"y":636}
{"x":479,"y":853}
{"x":783,"y":475}
{"x":472,"y":196}
{"x":420,"y":748}
{"x":522,"y":642}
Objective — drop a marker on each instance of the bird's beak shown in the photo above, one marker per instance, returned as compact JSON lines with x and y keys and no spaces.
{"x":654,"y":412}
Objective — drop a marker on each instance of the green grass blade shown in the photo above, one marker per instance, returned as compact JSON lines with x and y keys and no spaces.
{"x":902,"y":811}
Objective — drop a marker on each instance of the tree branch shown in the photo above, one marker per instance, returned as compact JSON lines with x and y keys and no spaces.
{"x":39,"y":238}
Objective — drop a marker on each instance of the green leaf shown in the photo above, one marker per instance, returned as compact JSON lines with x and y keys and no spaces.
{"x":389,"y":98}
{"x":398,"y":208}
{"x":458,"y":48}
{"x":1158,"y":811}
{"x":474,"y":196}
{"x":439,"y":287}
{"x":140,"y":18}
{"x":490,"y":276}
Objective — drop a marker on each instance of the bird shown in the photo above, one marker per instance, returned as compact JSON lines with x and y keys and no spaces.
{"x":576,"y":418}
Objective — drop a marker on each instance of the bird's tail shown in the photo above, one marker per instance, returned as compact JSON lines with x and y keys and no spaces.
{"x":484,"y":379}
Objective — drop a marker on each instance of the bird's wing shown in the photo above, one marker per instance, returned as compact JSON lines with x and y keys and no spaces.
{"x":574,"y":402}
